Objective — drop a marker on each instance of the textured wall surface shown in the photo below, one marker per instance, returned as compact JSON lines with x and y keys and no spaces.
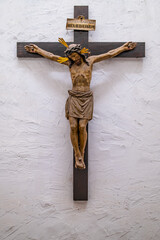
{"x":124,"y":135}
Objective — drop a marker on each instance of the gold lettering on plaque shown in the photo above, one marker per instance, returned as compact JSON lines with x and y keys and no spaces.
{"x":81,"y":23}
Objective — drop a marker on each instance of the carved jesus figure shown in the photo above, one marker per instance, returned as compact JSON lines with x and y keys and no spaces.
{"x":79,"y":105}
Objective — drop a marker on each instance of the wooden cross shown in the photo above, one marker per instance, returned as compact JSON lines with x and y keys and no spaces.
{"x":80,"y":177}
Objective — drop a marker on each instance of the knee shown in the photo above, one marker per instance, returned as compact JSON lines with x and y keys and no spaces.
{"x":82,"y":127}
{"x":73,"y":128}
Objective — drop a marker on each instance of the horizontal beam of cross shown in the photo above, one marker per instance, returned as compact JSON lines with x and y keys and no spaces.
{"x":94,"y":47}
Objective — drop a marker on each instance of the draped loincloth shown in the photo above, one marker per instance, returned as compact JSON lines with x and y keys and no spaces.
{"x":79,"y":105}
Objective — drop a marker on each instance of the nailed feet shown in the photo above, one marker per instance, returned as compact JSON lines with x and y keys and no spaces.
{"x":79,"y":162}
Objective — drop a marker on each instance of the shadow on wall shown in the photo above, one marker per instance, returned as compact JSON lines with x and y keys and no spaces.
{"x":49,"y":73}
{"x":102,"y":84}
{"x":47,"y":68}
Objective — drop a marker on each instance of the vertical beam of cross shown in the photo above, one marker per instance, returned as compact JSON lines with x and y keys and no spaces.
{"x":80,"y":177}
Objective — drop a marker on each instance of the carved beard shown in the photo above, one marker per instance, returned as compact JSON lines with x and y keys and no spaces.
{"x":78,"y":62}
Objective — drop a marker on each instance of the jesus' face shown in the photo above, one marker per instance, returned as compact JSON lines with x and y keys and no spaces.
{"x":76,"y":58}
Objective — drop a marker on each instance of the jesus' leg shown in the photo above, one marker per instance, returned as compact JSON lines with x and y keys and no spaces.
{"x":74,"y":139}
{"x":83,"y":136}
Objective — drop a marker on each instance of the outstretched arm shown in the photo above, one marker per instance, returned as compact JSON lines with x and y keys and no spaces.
{"x":32,"y":48}
{"x":112,"y":53}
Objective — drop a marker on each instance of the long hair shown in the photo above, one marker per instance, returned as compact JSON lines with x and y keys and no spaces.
{"x":75,"y":48}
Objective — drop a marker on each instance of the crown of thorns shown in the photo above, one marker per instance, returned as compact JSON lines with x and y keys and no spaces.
{"x":73,"y":48}
{"x":70,"y":49}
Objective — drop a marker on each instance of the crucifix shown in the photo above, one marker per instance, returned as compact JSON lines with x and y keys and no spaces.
{"x":79,"y":105}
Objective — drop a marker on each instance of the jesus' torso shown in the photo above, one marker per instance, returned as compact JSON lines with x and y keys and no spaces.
{"x":81,"y":76}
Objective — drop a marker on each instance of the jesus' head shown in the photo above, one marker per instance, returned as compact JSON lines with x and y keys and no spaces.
{"x":73,"y":52}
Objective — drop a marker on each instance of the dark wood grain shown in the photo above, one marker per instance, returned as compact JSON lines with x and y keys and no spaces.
{"x":103,"y":47}
{"x":53,"y":47}
{"x":81,"y":37}
{"x":95,"y":48}
{"x":80,"y":177}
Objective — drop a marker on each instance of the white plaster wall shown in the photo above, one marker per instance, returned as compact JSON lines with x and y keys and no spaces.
{"x":124,"y":135}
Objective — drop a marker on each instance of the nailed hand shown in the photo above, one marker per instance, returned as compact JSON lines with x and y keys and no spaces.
{"x":129,"y":46}
{"x":32,"y":48}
